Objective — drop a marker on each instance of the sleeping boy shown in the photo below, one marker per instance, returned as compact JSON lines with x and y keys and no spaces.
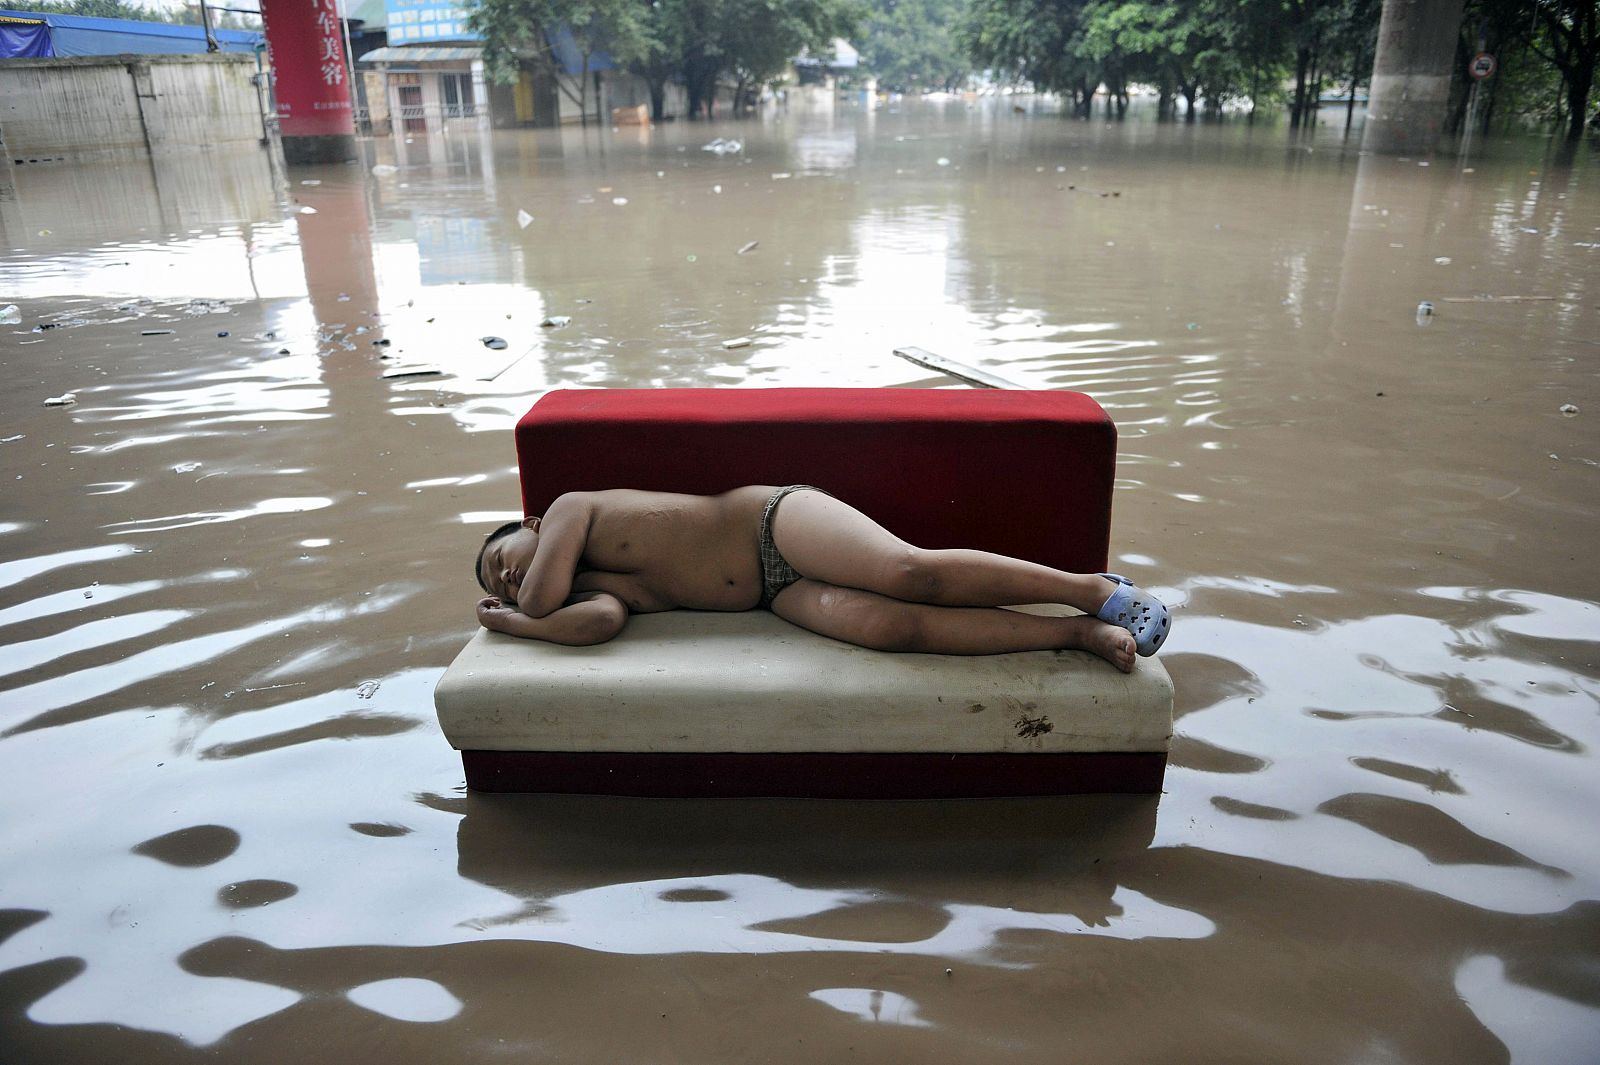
{"x":574,"y":575}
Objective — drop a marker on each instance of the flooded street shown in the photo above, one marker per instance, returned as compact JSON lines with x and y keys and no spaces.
{"x":233,"y":569}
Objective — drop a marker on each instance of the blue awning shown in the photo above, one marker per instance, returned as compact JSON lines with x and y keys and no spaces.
{"x":412,"y":55}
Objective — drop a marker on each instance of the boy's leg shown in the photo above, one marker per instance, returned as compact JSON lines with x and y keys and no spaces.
{"x":829,"y":540}
{"x":868,"y":619}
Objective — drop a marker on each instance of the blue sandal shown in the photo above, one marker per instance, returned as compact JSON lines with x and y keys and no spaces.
{"x":1131,"y":607}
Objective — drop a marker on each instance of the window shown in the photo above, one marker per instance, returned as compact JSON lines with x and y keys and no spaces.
{"x":457,"y":92}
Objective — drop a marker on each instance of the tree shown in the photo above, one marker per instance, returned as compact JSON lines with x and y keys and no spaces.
{"x":1032,"y":40}
{"x":913,"y":44}
{"x":1572,"y":45}
{"x":525,"y":31}
{"x":751,"y":41}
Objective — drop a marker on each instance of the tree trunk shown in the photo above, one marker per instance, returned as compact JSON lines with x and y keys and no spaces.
{"x":1579,"y":82}
{"x":658,"y":99}
{"x":1302,"y":66}
{"x":1189,"y":94}
{"x":583,"y":95}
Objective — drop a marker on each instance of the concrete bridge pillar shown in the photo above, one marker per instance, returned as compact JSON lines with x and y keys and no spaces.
{"x":310,"y":80}
{"x":1411,"y":75}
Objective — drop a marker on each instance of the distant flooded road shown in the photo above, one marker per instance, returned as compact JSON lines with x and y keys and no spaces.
{"x":232,"y":569}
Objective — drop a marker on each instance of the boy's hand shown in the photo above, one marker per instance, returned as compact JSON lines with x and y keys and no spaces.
{"x":588,"y":617}
{"x":495,"y":615}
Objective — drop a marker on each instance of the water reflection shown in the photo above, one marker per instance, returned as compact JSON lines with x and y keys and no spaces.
{"x":227,"y":588}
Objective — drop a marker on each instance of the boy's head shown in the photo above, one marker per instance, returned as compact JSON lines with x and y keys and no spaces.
{"x":503,"y":560}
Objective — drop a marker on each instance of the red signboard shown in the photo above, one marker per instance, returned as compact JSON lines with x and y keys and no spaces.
{"x":310,"y":77}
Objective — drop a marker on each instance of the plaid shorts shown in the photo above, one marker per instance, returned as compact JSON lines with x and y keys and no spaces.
{"x":776,"y":573}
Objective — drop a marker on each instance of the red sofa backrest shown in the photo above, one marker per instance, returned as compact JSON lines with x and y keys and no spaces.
{"x":1027,"y":474}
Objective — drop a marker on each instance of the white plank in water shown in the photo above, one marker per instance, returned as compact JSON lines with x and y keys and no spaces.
{"x":970,"y":374}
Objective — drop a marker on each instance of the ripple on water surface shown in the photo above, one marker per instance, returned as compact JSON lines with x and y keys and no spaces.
{"x":235,"y":566}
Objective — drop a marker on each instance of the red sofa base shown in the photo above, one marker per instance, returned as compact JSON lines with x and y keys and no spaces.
{"x":814,"y":775}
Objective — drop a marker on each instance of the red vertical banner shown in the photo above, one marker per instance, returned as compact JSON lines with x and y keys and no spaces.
{"x":310,"y":75}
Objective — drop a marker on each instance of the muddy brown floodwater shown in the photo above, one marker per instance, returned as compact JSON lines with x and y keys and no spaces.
{"x":232,"y":571}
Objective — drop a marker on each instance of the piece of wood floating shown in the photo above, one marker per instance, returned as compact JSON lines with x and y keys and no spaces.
{"x":1499,"y":299}
{"x":970,"y":374}
{"x":510,"y":364}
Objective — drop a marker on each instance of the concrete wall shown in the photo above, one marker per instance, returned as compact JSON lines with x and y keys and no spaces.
{"x":95,"y":105}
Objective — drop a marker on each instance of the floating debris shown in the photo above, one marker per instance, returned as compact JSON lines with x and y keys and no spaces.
{"x":368,"y":690}
{"x":1498,"y":299}
{"x":782,"y":175}
{"x":723,"y":147}
{"x":942,"y":161}
{"x":10,"y":314}
{"x":382,"y":169}
{"x":66,"y":399}
{"x":556,"y":321}
{"x":312,"y":181}
{"x":1569,"y":409}
{"x":717,"y":189}
{"x":619,"y":201}
{"x":1441,"y":260}
{"x":155,"y":332}
{"x":412,"y":371}
{"x":307,"y":209}
{"x":1424,"y":312}
{"x":523,"y":219}
{"x":737,"y":342}
{"x":494,"y":343}
{"x":749,"y":247}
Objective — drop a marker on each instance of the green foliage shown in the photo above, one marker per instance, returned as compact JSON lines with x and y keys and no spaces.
{"x":1250,"y":49}
{"x":751,"y":41}
{"x":1032,"y":40}
{"x":913,"y":44}
{"x":95,"y":9}
{"x":516,"y":31}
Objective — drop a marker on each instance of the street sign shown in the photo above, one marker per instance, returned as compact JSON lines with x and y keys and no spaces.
{"x":1482,"y":66}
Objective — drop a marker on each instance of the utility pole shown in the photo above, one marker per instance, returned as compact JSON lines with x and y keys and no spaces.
{"x":1410,"y":87}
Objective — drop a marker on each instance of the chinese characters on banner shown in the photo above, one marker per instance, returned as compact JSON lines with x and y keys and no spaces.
{"x":310,"y":76}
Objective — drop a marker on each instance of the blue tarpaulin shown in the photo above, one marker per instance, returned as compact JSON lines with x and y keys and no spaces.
{"x":570,"y":58}
{"x":73,"y":35}
{"x":24,"y":38}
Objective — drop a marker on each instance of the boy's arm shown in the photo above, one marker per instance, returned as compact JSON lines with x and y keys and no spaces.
{"x":562,"y":535}
{"x":588,"y":618}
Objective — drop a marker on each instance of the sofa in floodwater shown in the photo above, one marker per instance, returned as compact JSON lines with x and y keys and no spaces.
{"x":693,"y":703}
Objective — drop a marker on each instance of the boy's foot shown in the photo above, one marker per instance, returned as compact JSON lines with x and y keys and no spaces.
{"x":1111,"y":642}
{"x":1143,"y":615}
